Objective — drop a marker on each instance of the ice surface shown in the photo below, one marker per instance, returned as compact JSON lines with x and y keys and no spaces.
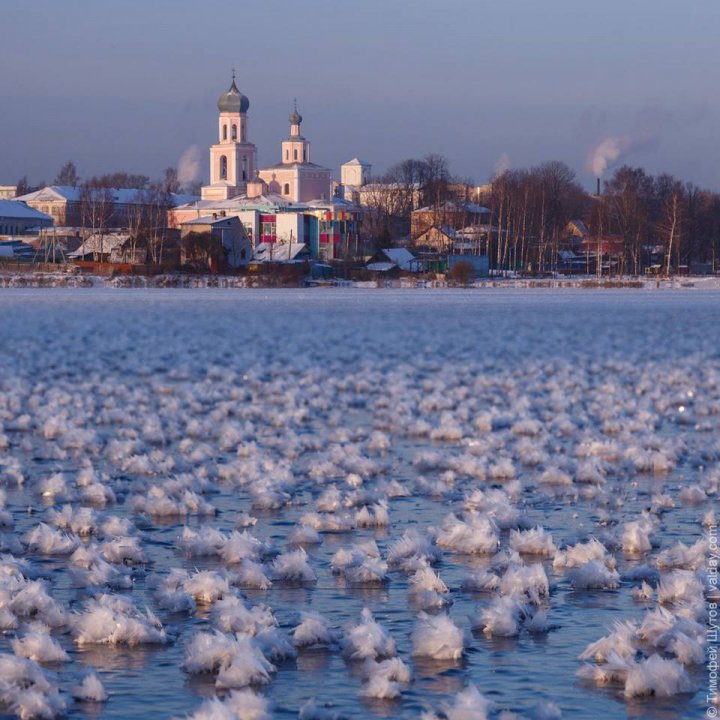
{"x":370,"y":498}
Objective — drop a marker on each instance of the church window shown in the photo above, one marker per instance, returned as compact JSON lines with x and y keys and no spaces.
{"x":287,"y":154}
{"x":287,"y":188}
{"x":234,"y":132}
{"x":224,"y":132}
{"x":223,"y":167}
{"x":304,"y":156}
{"x":244,"y":171}
{"x":295,"y":154}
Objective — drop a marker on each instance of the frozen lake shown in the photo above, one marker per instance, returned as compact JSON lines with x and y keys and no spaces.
{"x":188,"y":474}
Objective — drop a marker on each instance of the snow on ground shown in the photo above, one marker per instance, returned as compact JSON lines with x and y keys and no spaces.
{"x":259,"y":503}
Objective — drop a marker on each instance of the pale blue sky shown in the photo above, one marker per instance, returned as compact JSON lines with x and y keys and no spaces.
{"x":130,"y":85}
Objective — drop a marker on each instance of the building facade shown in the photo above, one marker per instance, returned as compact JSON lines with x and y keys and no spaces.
{"x":289,"y":203}
{"x":17,"y":218}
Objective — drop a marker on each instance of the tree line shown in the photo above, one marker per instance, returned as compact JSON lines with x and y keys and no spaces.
{"x":637,"y":217}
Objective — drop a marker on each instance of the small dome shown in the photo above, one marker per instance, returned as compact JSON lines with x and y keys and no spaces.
{"x":233,"y":101}
{"x":295,"y":117}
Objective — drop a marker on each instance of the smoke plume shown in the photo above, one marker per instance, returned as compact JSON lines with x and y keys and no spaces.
{"x":605,"y":152}
{"x":502,"y":165}
{"x":189,"y":166}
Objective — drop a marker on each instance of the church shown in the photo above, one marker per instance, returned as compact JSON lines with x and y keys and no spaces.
{"x":233,"y":160}
{"x":289,"y":203}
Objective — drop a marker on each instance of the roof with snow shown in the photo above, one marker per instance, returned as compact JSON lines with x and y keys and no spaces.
{"x":18,"y":209}
{"x":402,"y":257}
{"x":450,"y":206}
{"x":269,"y":201}
{"x":334,"y":202}
{"x":356,"y":161}
{"x":122,"y":196}
{"x":214,"y":220}
{"x":381,"y":266}
{"x":100,"y":243}
{"x":279,"y":252}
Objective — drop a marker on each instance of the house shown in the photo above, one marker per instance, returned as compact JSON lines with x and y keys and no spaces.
{"x":451,"y":214}
{"x":101,"y":247}
{"x":438,"y":238}
{"x":98,"y":208}
{"x":16,"y":250}
{"x":390,"y":258}
{"x":227,"y":232}
{"x":17,"y":218}
{"x":281,"y":253}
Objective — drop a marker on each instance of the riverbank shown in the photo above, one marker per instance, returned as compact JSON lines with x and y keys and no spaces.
{"x":185,"y":281}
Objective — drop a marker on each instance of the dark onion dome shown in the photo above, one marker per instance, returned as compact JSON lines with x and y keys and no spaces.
{"x":233,"y":101}
{"x":295,"y":117}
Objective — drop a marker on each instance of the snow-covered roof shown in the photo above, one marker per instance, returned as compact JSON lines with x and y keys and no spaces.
{"x":16,"y":248}
{"x":212,"y":220}
{"x":334,"y":202}
{"x":282,"y":165}
{"x":356,"y":161}
{"x":99,"y":243}
{"x":269,"y":201}
{"x":122,"y":196}
{"x":278,"y":252}
{"x":381,"y":266}
{"x":19,"y":210}
{"x":450,"y":206}
{"x":402,"y":257}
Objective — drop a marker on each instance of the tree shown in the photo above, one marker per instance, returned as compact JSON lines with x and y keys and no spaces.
{"x":159,"y":203}
{"x":120,"y":180}
{"x":96,"y":210}
{"x":630,"y":197}
{"x":461,"y":273}
{"x":67,"y":175}
{"x":203,"y":250}
{"x":670,"y":194}
{"x":170,"y":182}
{"x":22,"y":187}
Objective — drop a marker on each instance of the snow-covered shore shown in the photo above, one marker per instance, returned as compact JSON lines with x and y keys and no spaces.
{"x":75,"y":280}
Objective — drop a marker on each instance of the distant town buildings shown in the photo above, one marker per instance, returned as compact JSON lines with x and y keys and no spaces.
{"x":94,"y":207}
{"x":288,"y":203}
{"x":17,"y":218}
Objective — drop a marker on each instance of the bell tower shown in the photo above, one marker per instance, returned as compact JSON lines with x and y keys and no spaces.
{"x":295,"y":149}
{"x":232,"y":158}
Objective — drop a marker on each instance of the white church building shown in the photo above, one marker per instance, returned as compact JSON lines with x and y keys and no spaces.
{"x":233,"y":160}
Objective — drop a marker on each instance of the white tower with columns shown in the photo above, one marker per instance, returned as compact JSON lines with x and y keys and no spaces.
{"x":295,"y":149}
{"x":233,"y":159}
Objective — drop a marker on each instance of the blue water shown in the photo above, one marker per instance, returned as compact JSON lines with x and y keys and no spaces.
{"x":316,"y":363}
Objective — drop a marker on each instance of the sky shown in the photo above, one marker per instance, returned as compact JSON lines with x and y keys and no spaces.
{"x":133,"y":85}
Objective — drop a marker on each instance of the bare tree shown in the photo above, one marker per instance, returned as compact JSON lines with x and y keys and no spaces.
{"x":67,"y":175}
{"x":22,"y":187}
{"x":95,"y":210}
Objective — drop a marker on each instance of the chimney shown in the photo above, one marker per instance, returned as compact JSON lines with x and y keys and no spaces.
{"x":214,"y":216}
{"x":223,"y":213}
{"x":598,"y":186}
